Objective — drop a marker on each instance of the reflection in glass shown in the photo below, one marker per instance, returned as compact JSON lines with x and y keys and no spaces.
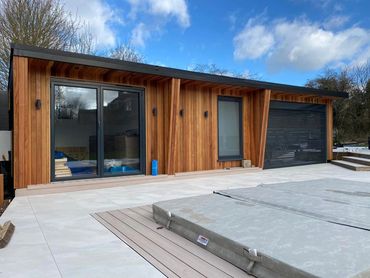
{"x":229,"y":128}
{"x":121,"y":132}
{"x":75,"y":118}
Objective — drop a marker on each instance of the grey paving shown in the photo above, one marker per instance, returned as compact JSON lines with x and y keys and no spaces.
{"x":55,"y":235}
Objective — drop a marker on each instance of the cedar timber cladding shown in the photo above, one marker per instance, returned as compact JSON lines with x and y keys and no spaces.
{"x":31,"y":138}
{"x":197,"y":135}
{"x":179,"y":135}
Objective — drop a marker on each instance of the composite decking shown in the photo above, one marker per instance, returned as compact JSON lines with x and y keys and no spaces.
{"x":170,"y":253}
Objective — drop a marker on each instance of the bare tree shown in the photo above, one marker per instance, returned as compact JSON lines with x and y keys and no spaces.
{"x":84,"y":41}
{"x":125,"y":52}
{"x":214,"y":69}
{"x":361,"y":75}
{"x":352,"y":115}
{"x":43,"y":23}
{"x":210,"y":68}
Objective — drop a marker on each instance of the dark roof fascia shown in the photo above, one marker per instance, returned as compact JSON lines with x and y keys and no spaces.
{"x":95,"y":61}
{"x":10,"y":73}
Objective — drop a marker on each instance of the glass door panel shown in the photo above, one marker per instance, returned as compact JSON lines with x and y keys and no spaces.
{"x":121,"y":121}
{"x":75,"y":131}
{"x":229,"y":128}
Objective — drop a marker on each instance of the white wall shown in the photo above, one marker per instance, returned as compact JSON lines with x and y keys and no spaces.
{"x":5,"y":143}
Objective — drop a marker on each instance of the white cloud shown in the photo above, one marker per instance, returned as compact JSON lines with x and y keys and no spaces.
{"x":97,"y":14}
{"x":232,"y":18}
{"x":325,"y":5}
{"x":154,"y":15}
{"x":163,"y":8}
{"x":299,"y":44}
{"x":252,"y":42}
{"x":176,"y":8}
{"x":322,"y":4}
{"x":335,"y":21}
{"x":139,"y":35}
{"x":363,"y":58}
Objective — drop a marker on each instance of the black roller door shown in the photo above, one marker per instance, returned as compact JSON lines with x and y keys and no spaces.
{"x":296,"y":134}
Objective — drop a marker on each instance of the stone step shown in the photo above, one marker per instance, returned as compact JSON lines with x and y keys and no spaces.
{"x":359,"y":160}
{"x":363,"y":155}
{"x":351,"y":165}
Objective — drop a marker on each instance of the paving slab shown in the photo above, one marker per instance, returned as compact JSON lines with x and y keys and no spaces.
{"x":36,"y":250}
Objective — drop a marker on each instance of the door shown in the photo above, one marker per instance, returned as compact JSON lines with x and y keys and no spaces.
{"x":96,"y":131}
{"x":121,"y":120}
{"x":296,"y":134}
{"x":75,"y":128}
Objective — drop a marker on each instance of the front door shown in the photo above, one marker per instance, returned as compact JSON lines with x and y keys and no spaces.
{"x":96,"y":131}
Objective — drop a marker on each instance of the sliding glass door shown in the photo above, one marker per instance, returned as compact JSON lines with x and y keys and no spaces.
{"x":121,"y":132}
{"x":96,"y":131}
{"x":75,"y":131}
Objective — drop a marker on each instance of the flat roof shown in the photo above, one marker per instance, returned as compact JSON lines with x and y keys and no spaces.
{"x":103,"y":62}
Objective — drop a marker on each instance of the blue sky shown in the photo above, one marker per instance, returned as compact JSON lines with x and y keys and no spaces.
{"x":285,"y":41}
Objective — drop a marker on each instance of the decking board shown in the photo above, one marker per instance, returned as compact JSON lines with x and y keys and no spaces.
{"x":170,"y":253}
{"x":142,"y":252}
{"x":145,"y":216}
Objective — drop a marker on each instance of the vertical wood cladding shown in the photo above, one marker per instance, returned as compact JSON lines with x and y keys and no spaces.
{"x":31,"y":137}
{"x":179,"y":143}
{"x":21,"y":156}
{"x":173,"y":125}
{"x":197,"y":134}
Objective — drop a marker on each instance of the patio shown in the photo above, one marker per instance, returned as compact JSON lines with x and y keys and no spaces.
{"x":56,"y":236}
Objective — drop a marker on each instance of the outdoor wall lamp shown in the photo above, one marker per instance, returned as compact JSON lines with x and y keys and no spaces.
{"x":154,"y":111}
{"x":206,"y":114}
{"x":181,"y":112}
{"x":38,"y":104}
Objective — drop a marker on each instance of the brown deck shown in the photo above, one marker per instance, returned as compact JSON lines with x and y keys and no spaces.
{"x":170,"y":253}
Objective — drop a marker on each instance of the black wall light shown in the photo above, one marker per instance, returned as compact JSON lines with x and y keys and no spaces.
{"x":206,"y":114}
{"x":38,"y":104}
{"x":154,"y":111}
{"x":181,"y":112}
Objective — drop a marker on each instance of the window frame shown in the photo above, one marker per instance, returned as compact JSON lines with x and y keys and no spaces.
{"x":241,"y":143}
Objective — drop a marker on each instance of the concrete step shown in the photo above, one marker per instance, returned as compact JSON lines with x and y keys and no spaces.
{"x":363,"y":155}
{"x":359,"y":160}
{"x":351,"y":165}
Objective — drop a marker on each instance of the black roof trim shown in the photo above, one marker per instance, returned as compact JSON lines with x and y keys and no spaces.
{"x":96,"y":61}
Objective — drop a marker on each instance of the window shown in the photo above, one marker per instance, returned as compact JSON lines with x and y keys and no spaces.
{"x":230,"y":128}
